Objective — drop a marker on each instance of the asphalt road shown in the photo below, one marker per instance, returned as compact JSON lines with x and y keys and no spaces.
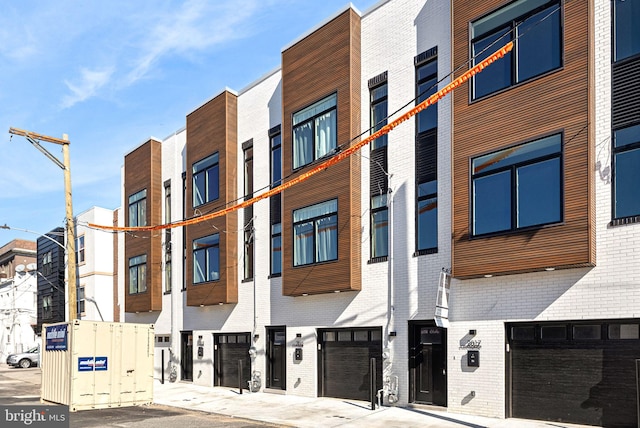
{"x":22,"y":387}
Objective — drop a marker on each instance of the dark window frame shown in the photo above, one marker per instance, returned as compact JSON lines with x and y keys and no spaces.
{"x":614,"y":39}
{"x":249,"y":229}
{"x":210,"y":164}
{"x":312,"y":120}
{"x":275,"y":212}
{"x":512,"y":168}
{"x":315,"y":221}
{"x":205,"y":249}
{"x":509,"y":27}
{"x":616,"y":151}
{"x":138,"y":206}
{"x":138,"y":269}
{"x":428,"y":59}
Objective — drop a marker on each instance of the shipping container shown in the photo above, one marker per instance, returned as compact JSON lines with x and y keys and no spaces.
{"x":95,"y":365}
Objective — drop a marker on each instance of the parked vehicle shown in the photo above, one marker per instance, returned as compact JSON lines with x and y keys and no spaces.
{"x":26,"y":359}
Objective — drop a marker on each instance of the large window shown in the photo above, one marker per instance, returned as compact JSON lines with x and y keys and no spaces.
{"x":626,"y":167}
{"x":427,"y":160}
{"x":138,"y":209}
{"x":206,"y":259}
{"x":314,"y":131}
{"x":167,"y":237}
{"x":315,"y":233}
{"x":138,"y":274}
{"x":518,"y":187}
{"x":275,"y":209}
{"x":378,"y":165}
{"x":537,"y":26}
{"x":249,"y":229}
{"x":626,"y":15}
{"x":206,"y":180}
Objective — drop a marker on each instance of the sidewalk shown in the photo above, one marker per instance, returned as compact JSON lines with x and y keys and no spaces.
{"x":304,"y":412}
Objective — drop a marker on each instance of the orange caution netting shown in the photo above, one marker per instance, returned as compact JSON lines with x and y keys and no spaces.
{"x":331,"y":161}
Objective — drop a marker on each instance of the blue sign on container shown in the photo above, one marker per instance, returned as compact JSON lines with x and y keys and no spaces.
{"x":56,"y":338}
{"x":90,"y":364}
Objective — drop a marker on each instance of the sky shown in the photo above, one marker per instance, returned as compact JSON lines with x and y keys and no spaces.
{"x":111,"y":74}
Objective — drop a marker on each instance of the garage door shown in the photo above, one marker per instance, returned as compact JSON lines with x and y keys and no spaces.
{"x":230,"y":351}
{"x":344,"y":361}
{"x":576,"y":372}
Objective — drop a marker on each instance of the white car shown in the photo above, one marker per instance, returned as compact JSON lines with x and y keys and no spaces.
{"x":26,"y":359}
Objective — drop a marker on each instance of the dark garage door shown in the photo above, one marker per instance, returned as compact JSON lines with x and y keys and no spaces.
{"x":229,"y":350}
{"x":576,"y":372}
{"x":344,"y":360}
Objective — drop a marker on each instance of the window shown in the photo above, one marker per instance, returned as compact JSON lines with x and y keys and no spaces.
{"x":206,"y":180}
{"x":138,"y":209}
{"x":248,"y":211}
{"x":206,"y":259}
{"x":138,"y":274}
{"x":167,"y":237}
{"x":378,"y":166}
{"x":427,"y":159}
{"x":314,"y":131}
{"x":537,"y":26}
{"x":80,"y":301}
{"x":518,"y":187}
{"x":80,"y":249}
{"x":47,"y":307}
{"x":379,"y":114}
{"x":276,"y":158}
{"x":626,"y":15}
{"x":276,"y":248}
{"x":275,"y":209}
{"x":379,"y":226}
{"x":315,"y":233}
{"x":626,"y":174}
{"x":47,"y":265}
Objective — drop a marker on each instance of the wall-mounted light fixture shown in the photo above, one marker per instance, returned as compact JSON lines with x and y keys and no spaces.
{"x":472,"y":332}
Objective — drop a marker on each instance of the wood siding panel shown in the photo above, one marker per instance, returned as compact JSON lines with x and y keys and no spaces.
{"x":325,"y":62}
{"x":557,"y":102}
{"x":142,"y":170}
{"x":213,"y":128}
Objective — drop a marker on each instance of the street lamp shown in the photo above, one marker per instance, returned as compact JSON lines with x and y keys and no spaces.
{"x":35,"y":139}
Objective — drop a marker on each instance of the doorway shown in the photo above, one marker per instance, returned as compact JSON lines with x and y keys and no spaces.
{"x":276,"y":358}
{"x":427,"y":363}
{"x":186,"y":360}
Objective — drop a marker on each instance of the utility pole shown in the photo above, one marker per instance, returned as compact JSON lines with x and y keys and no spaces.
{"x":35,"y":139}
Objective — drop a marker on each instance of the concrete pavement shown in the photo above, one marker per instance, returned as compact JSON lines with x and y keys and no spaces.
{"x":304,"y":412}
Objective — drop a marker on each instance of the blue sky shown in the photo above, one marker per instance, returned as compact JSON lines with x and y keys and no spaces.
{"x":110,"y":74}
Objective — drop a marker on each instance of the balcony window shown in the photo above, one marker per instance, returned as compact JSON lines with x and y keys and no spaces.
{"x":626,"y":15}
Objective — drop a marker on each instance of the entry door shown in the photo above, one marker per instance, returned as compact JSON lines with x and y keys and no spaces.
{"x":427,"y":365}
{"x":276,"y":358}
{"x":186,"y":362}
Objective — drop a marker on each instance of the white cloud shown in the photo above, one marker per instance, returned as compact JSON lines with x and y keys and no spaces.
{"x":197,"y":26}
{"x":90,"y":82}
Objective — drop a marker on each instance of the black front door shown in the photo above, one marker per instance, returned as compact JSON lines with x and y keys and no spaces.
{"x":276,"y":358}
{"x":427,"y":365}
{"x":186,"y":361}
